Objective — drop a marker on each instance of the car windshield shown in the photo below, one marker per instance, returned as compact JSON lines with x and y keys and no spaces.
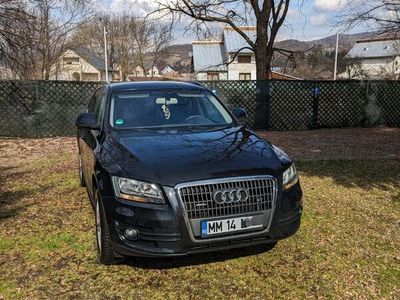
{"x":167,"y":109}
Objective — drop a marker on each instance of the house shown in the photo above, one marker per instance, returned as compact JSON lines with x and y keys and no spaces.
{"x":151,"y":71}
{"x":80,"y":64}
{"x":242,"y":60}
{"x":167,"y":69}
{"x":209,"y":60}
{"x":228,"y":59}
{"x":375,"y":57}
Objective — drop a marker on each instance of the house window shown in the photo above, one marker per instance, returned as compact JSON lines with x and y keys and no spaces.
{"x":71,"y":60}
{"x":244,"y":76}
{"x":244,"y":59}
{"x":212,"y":76}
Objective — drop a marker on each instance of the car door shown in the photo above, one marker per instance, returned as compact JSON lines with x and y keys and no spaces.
{"x":96,"y":135}
{"x":88,"y":138}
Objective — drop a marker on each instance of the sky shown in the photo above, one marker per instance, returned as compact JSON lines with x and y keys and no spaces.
{"x":306,"y":20}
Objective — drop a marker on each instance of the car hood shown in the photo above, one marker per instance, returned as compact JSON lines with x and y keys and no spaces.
{"x":170,"y":157}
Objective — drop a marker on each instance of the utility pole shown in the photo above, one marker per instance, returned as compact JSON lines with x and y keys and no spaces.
{"x":105,"y":52}
{"x":336,"y":56}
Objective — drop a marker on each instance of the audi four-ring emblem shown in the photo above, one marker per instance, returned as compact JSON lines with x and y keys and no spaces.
{"x":230,"y":195}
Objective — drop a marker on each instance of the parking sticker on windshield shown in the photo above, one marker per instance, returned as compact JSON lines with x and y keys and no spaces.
{"x":119,"y":121}
{"x":166,"y":111}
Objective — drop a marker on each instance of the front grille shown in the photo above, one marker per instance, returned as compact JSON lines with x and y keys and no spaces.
{"x":199,"y":203}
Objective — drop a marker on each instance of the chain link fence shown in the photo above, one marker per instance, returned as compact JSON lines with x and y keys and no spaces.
{"x":49,"y":108}
{"x":301,"y":105}
{"x":42,"y":108}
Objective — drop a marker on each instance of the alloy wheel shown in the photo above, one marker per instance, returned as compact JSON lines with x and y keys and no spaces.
{"x":98,"y":225}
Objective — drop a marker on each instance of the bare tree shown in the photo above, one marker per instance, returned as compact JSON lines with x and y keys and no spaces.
{"x":121,"y":49}
{"x":151,"y":40}
{"x":12,"y":14}
{"x":268,"y":15}
{"x":36,"y":34}
{"x":56,"y":20}
{"x":132,"y":41}
{"x":382,"y":15}
{"x":351,"y":68}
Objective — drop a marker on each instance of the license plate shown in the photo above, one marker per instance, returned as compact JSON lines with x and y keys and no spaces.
{"x":210,"y":228}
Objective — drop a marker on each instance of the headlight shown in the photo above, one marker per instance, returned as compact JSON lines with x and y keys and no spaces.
{"x":135,"y":190}
{"x":290,"y":177}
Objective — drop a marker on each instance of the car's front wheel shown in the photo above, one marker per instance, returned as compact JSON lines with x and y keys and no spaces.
{"x":81,"y":179}
{"x":105,"y":252}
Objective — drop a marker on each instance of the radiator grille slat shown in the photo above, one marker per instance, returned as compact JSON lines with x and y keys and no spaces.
{"x":199,"y":203}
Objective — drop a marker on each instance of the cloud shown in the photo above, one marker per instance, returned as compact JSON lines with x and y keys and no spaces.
{"x":294,"y":14}
{"x":329,"y":5}
{"x":318,"y":20}
{"x":137,"y":7}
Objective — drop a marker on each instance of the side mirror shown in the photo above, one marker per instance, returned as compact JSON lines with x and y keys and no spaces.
{"x":87,"y":120}
{"x":239,"y":113}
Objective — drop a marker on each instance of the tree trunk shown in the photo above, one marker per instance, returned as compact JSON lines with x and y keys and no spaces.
{"x":263,"y":53}
{"x":263,"y":56}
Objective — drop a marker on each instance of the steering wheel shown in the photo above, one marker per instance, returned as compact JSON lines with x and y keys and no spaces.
{"x":195,"y":117}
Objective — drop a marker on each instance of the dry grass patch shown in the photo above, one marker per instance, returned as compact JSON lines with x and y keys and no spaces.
{"x":347,"y":247}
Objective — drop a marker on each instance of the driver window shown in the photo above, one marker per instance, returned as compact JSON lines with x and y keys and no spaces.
{"x":93,"y":101}
{"x":100,"y":103}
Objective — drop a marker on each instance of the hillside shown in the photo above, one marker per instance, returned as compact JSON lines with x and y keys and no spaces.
{"x":182,"y":49}
{"x":346,"y":41}
{"x":179,"y":57}
{"x":313,"y":64}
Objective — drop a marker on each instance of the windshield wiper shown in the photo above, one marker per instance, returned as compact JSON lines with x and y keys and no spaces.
{"x":209,"y":127}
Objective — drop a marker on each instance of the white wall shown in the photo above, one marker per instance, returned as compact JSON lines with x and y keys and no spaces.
{"x":235,"y":68}
{"x":375,"y":66}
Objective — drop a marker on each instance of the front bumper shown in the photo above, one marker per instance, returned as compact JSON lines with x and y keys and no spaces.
{"x":164,"y":230}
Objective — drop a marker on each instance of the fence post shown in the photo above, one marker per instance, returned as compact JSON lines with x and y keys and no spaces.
{"x":263,"y":101}
{"x":35,"y":109}
{"x":314,"y":119}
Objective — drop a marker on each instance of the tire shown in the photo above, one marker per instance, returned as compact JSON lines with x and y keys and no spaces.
{"x":82,"y":182}
{"x":103,"y":240}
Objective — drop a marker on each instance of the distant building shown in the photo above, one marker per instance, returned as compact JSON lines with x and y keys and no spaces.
{"x":151,"y":71}
{"x":242,"y":59}
{"x":209,"y":60}
{"x":80,"y":64}
{"x":228,"y":59}
{"x":167,"y":69}
{"x":376,"y":57}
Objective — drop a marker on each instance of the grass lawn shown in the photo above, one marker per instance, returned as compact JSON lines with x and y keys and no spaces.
{"x":348,"y":245}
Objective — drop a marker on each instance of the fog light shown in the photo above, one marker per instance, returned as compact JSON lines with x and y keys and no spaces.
{"x":131,"y":234}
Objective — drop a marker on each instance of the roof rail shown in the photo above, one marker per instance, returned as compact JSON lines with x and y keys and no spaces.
{"x":193,"y":82}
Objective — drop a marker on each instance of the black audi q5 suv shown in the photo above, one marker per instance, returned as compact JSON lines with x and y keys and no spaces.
{"x":170,"y":171}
